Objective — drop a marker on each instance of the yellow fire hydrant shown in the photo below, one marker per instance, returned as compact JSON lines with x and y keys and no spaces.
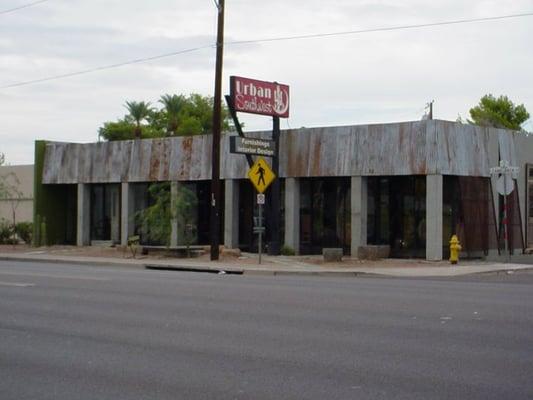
{"x":455,"y":248}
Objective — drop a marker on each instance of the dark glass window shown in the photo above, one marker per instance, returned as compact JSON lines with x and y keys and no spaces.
{"x":531,"y":200}
{"x":397,"y":214}
{"x":325,"y":214}
{"x":105,"y":212}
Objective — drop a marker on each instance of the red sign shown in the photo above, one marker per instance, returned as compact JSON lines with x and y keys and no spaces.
{"x":259,"y":97}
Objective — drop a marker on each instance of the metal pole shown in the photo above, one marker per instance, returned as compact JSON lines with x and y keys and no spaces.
{"x":260,"y":239}
{"x":215,"y":167}
{"x":505,"y":218}
{"x":275,"y":195}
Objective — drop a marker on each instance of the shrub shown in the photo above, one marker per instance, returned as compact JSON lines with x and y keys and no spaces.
{"x":287,"y":251}
{"x":24,"y":230}
{"x":6,"y":233}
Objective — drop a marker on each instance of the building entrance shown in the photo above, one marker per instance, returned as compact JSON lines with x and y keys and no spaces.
{"x":105,"y":213}
{"x":397,"y":214}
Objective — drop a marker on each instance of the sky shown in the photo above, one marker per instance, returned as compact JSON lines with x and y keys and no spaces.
{"x":374,"y":77}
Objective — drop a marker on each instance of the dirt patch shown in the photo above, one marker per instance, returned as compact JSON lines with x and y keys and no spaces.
{"x":226,"y":256}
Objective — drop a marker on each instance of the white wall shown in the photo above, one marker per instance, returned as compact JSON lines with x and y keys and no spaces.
{"x":24,"y":211}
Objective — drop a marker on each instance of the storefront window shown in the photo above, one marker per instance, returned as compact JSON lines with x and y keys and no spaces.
{"x":325,"y":214}
{"x":397,"y":214}
{"x":105,"y":212}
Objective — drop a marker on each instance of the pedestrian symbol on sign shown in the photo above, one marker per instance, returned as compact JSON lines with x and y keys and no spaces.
{"x":261,"y":175}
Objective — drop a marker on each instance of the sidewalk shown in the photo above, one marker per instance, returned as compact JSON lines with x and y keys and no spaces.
{"x":248,"y":263}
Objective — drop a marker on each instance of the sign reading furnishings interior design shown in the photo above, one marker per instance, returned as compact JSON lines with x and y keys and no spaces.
{"x":259,"y":147}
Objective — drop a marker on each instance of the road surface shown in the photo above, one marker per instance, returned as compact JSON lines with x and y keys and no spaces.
{"x":75,"y":332}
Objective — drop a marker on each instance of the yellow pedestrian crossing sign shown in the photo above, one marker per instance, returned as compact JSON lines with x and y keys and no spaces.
{"x":261,"y":175}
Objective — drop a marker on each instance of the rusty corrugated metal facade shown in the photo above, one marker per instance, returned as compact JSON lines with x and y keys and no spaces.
{"x":408,"y":148}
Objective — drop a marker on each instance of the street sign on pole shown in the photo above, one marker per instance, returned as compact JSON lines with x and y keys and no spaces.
{"x":261,"y":175}
{"x":258,"y":147}
{"x":505,"y":186}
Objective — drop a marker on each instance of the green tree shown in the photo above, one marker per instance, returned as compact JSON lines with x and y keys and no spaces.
{"x":156,"y":220}
{"x":138,"y":111}
{"x":119,"y":130}
{"x":197,"y":116}
{"x":10,"y":193}
{"x":173,"y":105}
{"x":186,"y":204}
{"x":179,"y":115}
{"x":499,"y":113}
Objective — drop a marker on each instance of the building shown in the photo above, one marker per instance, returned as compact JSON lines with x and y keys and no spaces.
{"x":410,"y":185}
{"x":22,"y":177}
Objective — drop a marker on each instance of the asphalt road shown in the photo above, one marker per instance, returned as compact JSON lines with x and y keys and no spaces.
{"x":73,"y":332}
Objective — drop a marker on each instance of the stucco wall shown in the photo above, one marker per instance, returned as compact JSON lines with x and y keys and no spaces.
{"x":24,"y":174}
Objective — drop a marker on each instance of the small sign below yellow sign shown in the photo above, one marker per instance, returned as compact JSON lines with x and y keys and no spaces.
{"x":261,"y":175}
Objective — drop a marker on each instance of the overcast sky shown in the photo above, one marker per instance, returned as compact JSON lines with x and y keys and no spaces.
{"x":336,"y":80}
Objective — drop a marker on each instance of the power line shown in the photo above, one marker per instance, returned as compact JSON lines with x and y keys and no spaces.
{"x":264,"y":40}
{"x":22,"y":6}
{"x":386,"y":29}
{"x":106,"y":67}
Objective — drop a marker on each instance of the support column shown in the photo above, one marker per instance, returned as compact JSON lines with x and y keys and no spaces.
{"x":434,"y":205}
{"x":231,"y":213}
{"x":127,"y":224}
{"x":174,"y":187}
{"x":292,"y":214}
{"x":359,"y":201}
{"x":83,"y":226}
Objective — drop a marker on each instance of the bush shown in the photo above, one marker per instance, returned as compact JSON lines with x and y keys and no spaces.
{"x":287,"y":251}
{"x":24,"y":230}
{"x":6,"y":233}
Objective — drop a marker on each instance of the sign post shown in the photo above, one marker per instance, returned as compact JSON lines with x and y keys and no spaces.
{"x":263,"y":98}
{"x":505,"y":186}
{"x":261,"y":177}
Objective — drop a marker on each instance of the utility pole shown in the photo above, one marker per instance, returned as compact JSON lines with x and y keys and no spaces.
{"x":430,"y":116}
{"x":275,"y":210}
{"x":215,"y":167}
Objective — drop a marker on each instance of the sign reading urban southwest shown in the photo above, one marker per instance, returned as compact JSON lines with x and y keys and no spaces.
{"x":259,"y":97}
{"x":259,"y":147}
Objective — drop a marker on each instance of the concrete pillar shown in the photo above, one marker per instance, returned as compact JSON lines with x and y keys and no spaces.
{"x":83,"y":226}
{"x":231,"y":213}
{"x":114,"y":192}
{"x":292,"y":214}
{"x":434,"y":194}
{"x":127,"y":223}
{"x":359,"y":207}
{"x":174,"y":187}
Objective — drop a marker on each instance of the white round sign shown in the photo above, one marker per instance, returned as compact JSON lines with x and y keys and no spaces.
{"x":508,"y":188}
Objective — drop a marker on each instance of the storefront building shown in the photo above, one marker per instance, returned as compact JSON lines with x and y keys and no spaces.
{"x":409,"y":185}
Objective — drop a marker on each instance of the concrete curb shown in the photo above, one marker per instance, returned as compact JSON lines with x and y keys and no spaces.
{"x":96,"y":263}
{"x":278,"y":270}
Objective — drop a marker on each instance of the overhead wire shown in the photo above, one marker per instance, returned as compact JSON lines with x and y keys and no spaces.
{"x":265,"y":40}
{"x":10,"y":10}
{"x":383,"y":29}
{"x":106,"y":67}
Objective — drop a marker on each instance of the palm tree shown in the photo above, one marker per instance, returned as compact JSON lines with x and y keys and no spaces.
{"x":138,"y":110}
{"x":173,"y":105}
